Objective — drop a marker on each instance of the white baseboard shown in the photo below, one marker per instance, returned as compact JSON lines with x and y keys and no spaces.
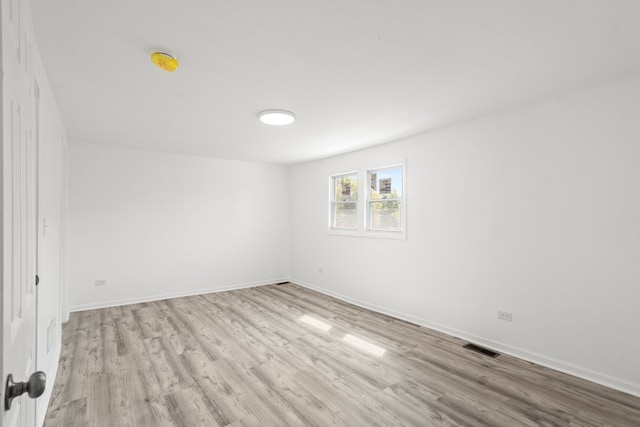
{"x":186,"y":293}
{"x":549,"y":362}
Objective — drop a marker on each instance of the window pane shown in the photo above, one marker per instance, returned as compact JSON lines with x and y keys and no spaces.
{"x":345,"y":215}
{"x":346,"y":188}
{"x":385,"y":183}
{"x":385,"y":215}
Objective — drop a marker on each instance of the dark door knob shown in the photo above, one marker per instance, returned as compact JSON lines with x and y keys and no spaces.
{"x":34,"y":387}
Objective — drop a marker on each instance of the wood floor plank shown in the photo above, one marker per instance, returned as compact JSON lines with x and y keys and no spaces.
{"x":166,"y":365}
{"x":248,"y":421}
{"x":247,"y":358}
{"x":187,"y":408}
{"x":223,"y":401}
{"x":73,"y":413}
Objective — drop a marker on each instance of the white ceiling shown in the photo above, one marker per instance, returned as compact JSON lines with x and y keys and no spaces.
{"x":356,"y":72}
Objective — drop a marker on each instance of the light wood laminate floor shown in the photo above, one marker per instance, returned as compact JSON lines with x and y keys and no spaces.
{"x":245,"y":358}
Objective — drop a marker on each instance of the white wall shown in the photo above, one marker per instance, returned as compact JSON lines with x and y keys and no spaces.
{"x":535,"y":211}
{"x":157,"y":225}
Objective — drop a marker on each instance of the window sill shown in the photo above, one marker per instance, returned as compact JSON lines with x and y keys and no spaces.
{"x":393,"y":235}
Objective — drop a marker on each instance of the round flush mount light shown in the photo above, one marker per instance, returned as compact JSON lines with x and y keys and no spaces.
{"x":164,"y":61}
{"x":277,"y":117}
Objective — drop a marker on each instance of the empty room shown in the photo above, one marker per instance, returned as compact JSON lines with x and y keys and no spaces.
{"x":331,"y":213}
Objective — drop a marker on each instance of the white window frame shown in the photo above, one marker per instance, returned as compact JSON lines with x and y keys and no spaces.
{"x":333,"y":202}
{"x":362,"y":207}
{"x":369,"y":200}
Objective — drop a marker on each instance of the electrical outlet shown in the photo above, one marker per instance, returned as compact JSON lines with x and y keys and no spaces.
{"x":101,"y":282}
{"x":503,"y":315}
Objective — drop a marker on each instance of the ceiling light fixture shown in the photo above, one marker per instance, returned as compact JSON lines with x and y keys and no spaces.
{"x":164,"y":61}
{"x":277,"y":117}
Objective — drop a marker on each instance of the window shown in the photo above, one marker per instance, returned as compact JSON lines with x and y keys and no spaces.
{"x":376,"y":209}
{"x":385,"y":200}
{"x":344,"y":203}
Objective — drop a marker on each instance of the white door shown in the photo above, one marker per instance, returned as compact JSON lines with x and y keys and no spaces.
{"x":18,"y":214}
{"x":50,"y":178}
